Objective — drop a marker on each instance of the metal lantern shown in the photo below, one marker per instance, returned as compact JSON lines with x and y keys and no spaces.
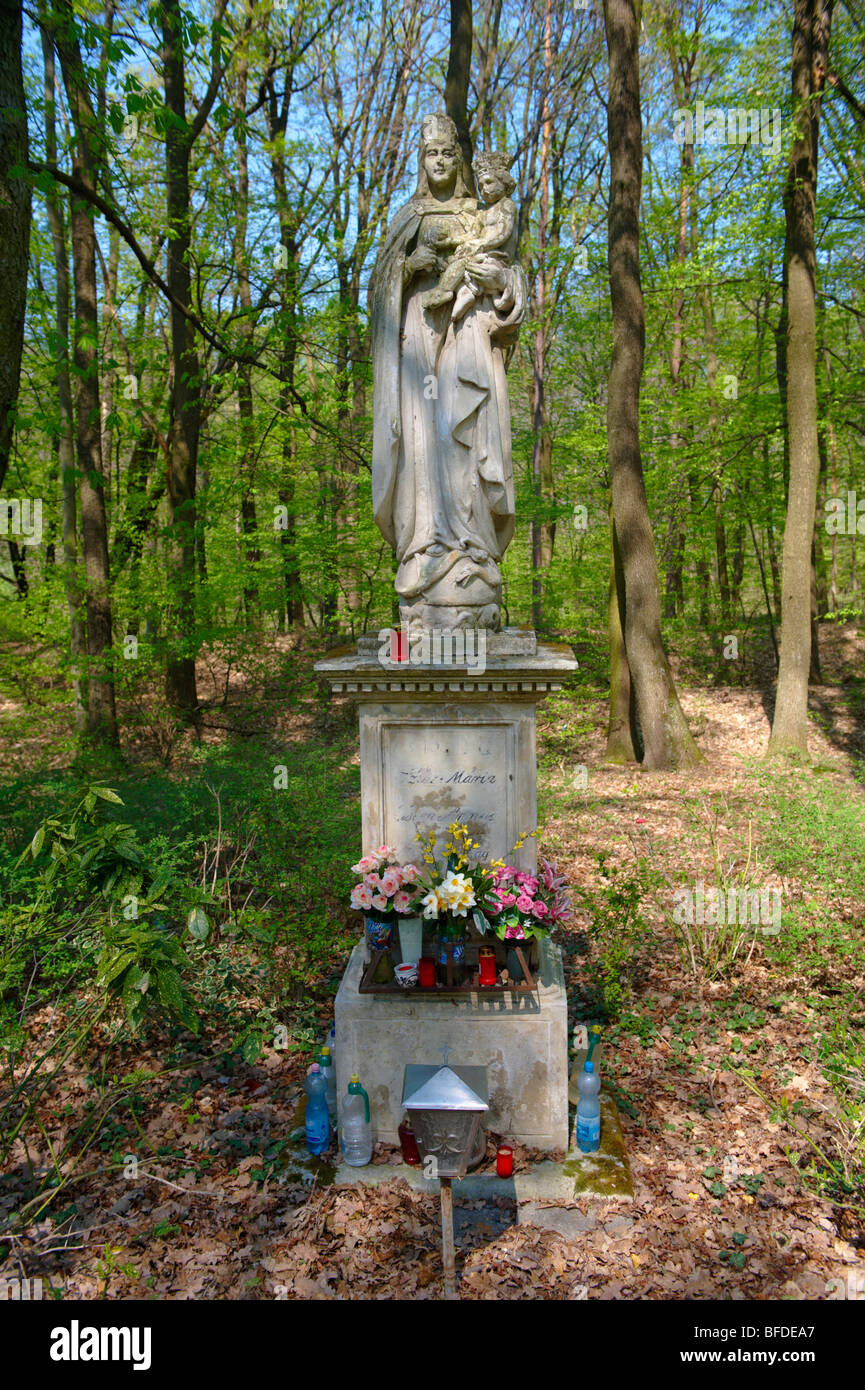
{"x":446,"y":1104}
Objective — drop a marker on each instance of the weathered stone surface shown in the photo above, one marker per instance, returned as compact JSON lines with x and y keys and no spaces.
{"x":606,"y":1173}
{"x":446,"y":296}
{"x":423,"y":766}
{"x":521,"y":1039}
{"x":439,"y":744}
{"x":544,"y":1182}
{"x":511,"y":641}
{"x":566,"y":1221}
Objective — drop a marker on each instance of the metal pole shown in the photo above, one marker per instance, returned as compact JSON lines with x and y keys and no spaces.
{"x":448,"y":1238}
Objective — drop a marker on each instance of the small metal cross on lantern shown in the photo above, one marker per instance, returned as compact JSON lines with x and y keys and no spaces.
{"x":445,"y":1104}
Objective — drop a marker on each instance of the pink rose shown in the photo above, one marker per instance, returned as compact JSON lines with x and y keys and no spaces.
{"x":380,"y":903}
{"x":410,"y":873}
{"x":507,"y":899}
{"x":401,"y":901}
{"x":528,"y":884}
{"x":383,"y":853}
{"x":389,"y":883}
{"x":539,"y":909}
{"x":372,"y":880}
{"x":524,"y":903}
{"x":492,"y":906}
{"x":514,"y":933}
{"x":361,"y":897}
{"x":504,"y":874}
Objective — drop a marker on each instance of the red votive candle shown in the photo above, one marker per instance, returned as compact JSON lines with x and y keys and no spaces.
{"x":426,"y":972}
{"x":487,"y":963}
{"x":408,"y":1144}
{"x":505,"y":1161}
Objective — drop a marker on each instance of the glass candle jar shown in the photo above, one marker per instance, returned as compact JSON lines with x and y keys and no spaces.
{"x":426,"y":972}
{"x":408,"y":1144}
{"x":505,"y":1161}
{"x":487,"y":964}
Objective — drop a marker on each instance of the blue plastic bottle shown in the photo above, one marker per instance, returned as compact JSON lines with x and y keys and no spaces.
{"x":589,"y":1110}
{"x":317,"y":1116}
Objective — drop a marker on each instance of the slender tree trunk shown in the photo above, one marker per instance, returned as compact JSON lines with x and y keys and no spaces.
{"x":811,"y":29}
{"x":87,"y":152}
{"x":66,"y":433}
{"x":248,"y":521}
{"x":542,"y":544}
{"x":14,"y":221}
{"x":666,"y":737}
{"x":185,"y":398}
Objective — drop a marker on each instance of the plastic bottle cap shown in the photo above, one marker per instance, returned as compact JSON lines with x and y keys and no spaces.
{"x":315,"y":1067}
{"x":325,"y":1052}
{"x":354,"y":1079}
{"x":590,"y":1066}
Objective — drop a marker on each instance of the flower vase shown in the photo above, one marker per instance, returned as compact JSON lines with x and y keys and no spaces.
{"x":379,"y":933}
{"x":530,"y":955}
{"x":410,"y":938}
{"x":457,"y":940}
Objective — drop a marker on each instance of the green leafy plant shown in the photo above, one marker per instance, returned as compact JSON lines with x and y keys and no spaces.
{"x":618,"y":929}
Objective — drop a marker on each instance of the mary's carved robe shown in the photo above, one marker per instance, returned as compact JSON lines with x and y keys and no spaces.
{"x":442,"y":470}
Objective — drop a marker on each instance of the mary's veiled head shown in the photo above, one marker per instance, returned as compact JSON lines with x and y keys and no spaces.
{"x":440,"y":161}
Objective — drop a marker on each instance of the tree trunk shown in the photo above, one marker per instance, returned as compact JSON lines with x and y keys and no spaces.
{"x":542,"y":461}
{"x":666,"y":737}
{"x":809,"y":64}
{"x":65,"y":442}
{"x":87,"y":151}
{"x":457,"y":81}
{"x":14,"y":221}
{"x":621,"y":743}
{"x":185,"y":397}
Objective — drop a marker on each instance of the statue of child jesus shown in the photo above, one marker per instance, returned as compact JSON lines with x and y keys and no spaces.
{"x":492,"y":232}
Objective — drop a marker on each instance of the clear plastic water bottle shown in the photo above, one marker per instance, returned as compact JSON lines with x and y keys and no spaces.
{"x":355,"y":1128}
{"x":588,"y":1110}
{"x":326,"y":1063}
{"x":317,"y":1117}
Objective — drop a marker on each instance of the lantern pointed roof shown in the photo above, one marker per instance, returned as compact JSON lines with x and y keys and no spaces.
{"x":444,"y":1090}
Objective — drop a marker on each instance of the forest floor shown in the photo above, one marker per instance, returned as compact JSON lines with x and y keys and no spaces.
{"x":740,"y":1089}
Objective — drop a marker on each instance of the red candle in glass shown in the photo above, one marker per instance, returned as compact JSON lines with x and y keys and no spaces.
{"x":487,"y":963}
{"x":426,"y":972}
{"x":408,"y":1144}
{"x":505,"y":1161}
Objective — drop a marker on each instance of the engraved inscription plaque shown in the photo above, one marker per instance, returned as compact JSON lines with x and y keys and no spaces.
{"x":448,"y":772}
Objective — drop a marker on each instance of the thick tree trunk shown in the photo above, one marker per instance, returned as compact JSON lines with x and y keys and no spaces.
{"x":666,"y":737}
{"x":457,"y":80}
{"x":621,"y":742}
{"x":809,"y":64}
{"x":14,"y":221}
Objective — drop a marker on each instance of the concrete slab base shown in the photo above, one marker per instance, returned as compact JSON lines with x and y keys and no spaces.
{"x":605,"y":1174}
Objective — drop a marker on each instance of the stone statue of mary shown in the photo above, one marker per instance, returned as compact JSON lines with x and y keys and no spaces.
{"x":442,"y":471}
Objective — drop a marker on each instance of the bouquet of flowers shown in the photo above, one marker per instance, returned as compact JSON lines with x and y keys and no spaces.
{"x":385,"y":888}
{"x":528,"y":905}
{"x":448,"y":892}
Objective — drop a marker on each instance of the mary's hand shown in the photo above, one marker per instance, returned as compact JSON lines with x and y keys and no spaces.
{"x":488,"y":274}
{"x":424,"y":258}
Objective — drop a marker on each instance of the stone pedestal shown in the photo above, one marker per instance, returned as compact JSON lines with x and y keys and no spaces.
{"x":448,"y":733}
{"x":449,"y":739}
{"x":522,"y":1040}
